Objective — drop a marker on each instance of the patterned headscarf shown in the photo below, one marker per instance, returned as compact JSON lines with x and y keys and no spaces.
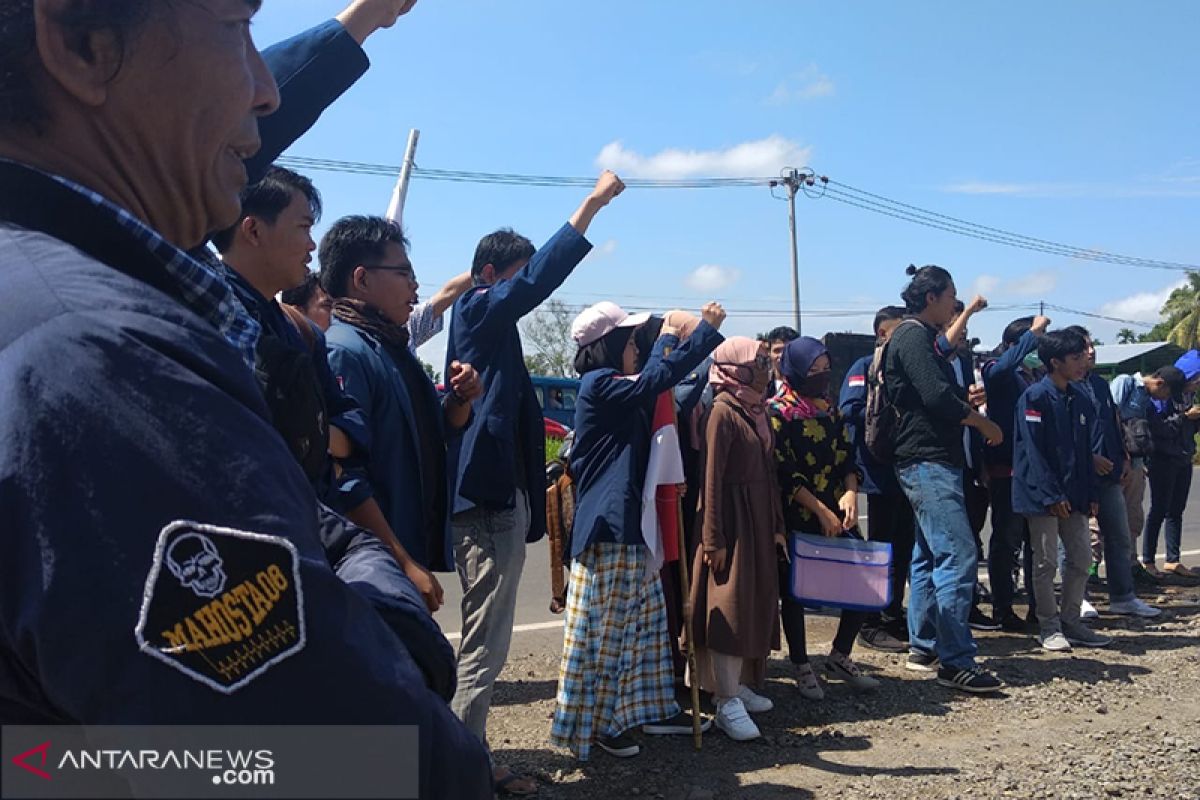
{"x":798,"y":358}
{"x":733,"y":371}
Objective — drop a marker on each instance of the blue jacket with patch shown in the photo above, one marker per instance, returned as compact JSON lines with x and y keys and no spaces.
{"x":1053,"y":434}
{"x":506,"y":431}
{"x":852,"y":402}
{"x":612,"y":439}
{"x":395,"y":473}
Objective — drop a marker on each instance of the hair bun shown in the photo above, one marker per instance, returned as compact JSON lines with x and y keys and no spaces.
{"x":912,"y":270}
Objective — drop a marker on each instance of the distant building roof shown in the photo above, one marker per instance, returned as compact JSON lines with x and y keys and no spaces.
{"x":1118,"y":353}
{"x":1143,"y":357}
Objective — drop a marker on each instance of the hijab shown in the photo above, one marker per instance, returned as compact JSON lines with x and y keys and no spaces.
{"x":732,"y":371}
{"x":607,"y":352}
{"x":799,"y":396}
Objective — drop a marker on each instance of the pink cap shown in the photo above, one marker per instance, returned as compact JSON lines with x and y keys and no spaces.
{"x":599,"y":320}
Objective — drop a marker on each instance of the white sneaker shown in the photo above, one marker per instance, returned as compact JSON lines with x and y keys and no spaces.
{"x":1088,"y":611}
{"x":733,"y":719}
{"x":1134,"y":608}
{"x":1055,"y":643}
{"x":754,"y":703}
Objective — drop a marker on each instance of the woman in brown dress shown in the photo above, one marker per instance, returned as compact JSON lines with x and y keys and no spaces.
{"x":735,"y":592}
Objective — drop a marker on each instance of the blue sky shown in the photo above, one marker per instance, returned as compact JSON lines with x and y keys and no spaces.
{"x":1070,"y":121}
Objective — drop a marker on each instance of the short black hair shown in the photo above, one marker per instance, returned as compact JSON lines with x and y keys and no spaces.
{"x":926,"y":280}
{"x":353,"y":241}
{"x":887,"y":314}
{"x":781,"y":333}
{"x":19,"y":100}
{"x":501,"y":249}
{"x":1079,"y":329}
{"x":268,"y":198}
{"x":300,"y":296}
{"x":1173,"y":377}
{"x":1060,"y":344}
{"x":1016,"y":329}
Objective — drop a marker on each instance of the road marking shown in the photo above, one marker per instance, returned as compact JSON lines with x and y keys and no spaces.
{"x":532,"y":626}
{"x":558,"y":623}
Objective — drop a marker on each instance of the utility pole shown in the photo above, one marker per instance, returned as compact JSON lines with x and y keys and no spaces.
{"x":1042,"y":308}
{"x":395,"y":210}
{"x":791,"y":179}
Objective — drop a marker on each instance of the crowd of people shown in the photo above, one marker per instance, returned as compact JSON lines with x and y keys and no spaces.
{"x":188,"y":410}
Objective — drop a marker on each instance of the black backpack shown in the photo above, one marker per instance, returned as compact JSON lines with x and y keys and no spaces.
{"x":880,"y":418}
{"x":293,"y":393}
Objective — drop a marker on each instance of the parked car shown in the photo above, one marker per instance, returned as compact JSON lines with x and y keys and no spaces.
{"x":557,"y":397}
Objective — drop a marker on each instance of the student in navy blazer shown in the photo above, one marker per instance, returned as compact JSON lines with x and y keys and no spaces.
{"x":497,"y":466}
{"x":617,"y":635}
{"x":1054,"y":486}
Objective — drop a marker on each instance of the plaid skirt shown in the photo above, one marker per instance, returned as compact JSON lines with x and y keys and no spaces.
{"x":616,"y":670}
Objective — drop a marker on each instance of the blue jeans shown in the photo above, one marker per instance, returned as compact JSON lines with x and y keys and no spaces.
{"x":1114,"y":533}
{"x":944,"y":564}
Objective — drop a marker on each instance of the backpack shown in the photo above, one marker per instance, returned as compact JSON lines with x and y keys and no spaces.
{"x":880,"y":416}
{"x":293,"y":393}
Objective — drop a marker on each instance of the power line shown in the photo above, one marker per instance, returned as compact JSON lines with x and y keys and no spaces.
{"x":821,"y":187}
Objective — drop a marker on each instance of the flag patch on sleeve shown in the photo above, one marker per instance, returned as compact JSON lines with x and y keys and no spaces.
{"x":1032,"y":415}
{"x":858,"y":381}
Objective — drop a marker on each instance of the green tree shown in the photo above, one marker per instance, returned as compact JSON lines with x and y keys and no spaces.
{"x":1181,"y":314}
{"x":549,"y":349}
{"x":1126,"y":336}
{"x":433,"y":374}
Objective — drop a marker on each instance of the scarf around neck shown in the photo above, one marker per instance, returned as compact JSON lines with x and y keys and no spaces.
{"x":371,"y":320}
{"x":791,"y":406}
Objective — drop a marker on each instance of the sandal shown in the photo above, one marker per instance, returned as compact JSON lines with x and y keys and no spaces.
{"x":506,"y":786}
{"x":807,"y":683}
{"x":1180,"y":570}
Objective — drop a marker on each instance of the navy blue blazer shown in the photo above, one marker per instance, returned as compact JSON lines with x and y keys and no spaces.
{"x":612,"y":439}
{"x":1110,"y":438}
{"x":483,"y":333}
{"x":1004,"y":380}
{"x":1053,"y":433}
{"x":394,"y":474}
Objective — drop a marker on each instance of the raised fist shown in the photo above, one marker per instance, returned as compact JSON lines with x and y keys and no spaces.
{"x":713,"y":314}
{"x":608,"y":186}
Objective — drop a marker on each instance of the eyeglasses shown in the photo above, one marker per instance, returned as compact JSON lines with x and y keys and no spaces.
{"x":408,"y":271}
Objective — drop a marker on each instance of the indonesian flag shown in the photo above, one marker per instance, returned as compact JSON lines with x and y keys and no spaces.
{"x":858,"y":381}
{"x":660,"y":495}
{"x":1033,"y":415}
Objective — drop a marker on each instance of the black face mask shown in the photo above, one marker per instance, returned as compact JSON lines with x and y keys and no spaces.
{"x":815,"y":385}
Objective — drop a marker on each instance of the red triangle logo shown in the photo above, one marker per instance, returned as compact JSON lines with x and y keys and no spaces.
{"x":20,"y":760}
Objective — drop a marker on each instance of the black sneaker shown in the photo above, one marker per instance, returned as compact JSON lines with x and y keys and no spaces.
{"x":622,"y":745}
{"x":981,"y":621}
{"x":880,"y":639}
{"x":1015,"y":623}
{"x":678,"y":725}
{"x":920,"y":661}
{"x":973,"y":680}
{"x":1142,"y":577}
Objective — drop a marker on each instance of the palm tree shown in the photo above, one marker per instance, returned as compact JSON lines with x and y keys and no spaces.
{"x":1182,"y":313}
{"x":1126,"y":336}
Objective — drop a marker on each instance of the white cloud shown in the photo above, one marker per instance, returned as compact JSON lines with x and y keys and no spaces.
{"x":1143,"y":306}
{"x":808,"y":84}
{"x":712,"y":278}
{"x":749,"y":159}
{"x":985,"y":285}
{"x":1178,"y":186}
{"x":604,"y":250}
{"x":1036,"y":284}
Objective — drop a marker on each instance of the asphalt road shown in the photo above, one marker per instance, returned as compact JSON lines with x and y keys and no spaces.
{"x":536,"y":629}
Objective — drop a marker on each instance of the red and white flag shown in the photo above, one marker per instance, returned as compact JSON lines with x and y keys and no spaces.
{"x":1033,"y":415}
{"x":858,"y":381}
{"x":660,"y":495}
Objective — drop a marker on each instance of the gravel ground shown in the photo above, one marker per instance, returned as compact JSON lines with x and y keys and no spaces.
{"x":1118,"y":722}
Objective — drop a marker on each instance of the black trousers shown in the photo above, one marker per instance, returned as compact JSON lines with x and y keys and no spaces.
{"x":1010,"y":532}
{"x":890,"y":518}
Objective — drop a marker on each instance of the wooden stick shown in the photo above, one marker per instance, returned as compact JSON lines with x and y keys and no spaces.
{"x":686,"y":587}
